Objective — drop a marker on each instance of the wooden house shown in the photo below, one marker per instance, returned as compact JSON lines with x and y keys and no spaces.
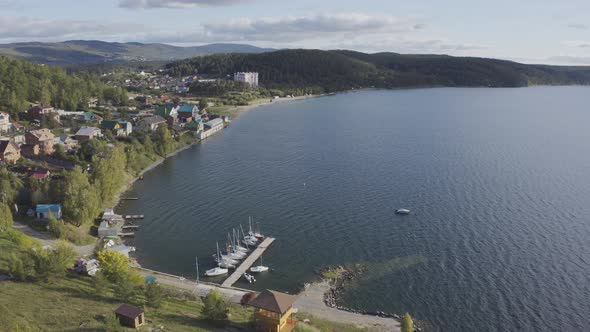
{"x":130,"y":316}
{"x":274,"y":311}
{"x":43,"y":138}
{"x":86,"y":134}
{"x":9,"y":152}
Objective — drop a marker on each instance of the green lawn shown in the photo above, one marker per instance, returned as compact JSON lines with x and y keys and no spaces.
{"x":71,"y":305}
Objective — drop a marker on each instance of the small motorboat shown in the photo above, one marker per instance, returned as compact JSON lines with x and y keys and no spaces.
{"x":259,"y":268}
{"x":402,"y":211}
{"x":216,"y":271}
{"x":249,"y":277}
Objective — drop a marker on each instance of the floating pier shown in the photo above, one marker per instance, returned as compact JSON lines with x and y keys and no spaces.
{"x":130,"y":227}
{"x":129,"y":198}
{"x":134,"y":217}
{"x":248,"y":262}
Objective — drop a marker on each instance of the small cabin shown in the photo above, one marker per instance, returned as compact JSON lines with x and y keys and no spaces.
{"x":130,"y":316}
{"x":274,"y":311}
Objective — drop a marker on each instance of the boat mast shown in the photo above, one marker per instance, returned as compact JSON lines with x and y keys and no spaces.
{"x":197,"y":264}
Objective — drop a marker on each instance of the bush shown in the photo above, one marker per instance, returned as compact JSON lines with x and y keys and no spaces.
{"x":56,"y":228}
{"x":126,"y":291}
{"x":407,"y":323}
{"x":215,"y":307}
{"x":114,"y":265}
{"x":101,"y":284}
{"x":20,"y":267}
{"x":53,"y":263}
{"x":112,"y":324}
{"x":154,"y":296}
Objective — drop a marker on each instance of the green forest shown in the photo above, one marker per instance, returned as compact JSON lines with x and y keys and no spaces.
{"x":23,"y":83}
{"x":343,"y":70}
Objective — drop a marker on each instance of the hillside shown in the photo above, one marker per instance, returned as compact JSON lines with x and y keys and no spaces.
{"x":92,"y":51}
{"x":340,"y":70}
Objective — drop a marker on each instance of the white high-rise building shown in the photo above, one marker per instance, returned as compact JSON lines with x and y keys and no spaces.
{"x":250,"y":78}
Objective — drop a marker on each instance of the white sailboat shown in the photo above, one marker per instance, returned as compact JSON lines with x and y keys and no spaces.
{"x":248,"y":239}
{"x":217,"y":271}
{"x":253,"y":233}
{"x":259,"y":268}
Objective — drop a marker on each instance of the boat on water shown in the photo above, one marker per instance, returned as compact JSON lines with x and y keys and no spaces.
{"x":217,"y":271}
{"x":402,"y":211}
{"x":250,"y":278}
{"x":253,"y":233}
{"x":259,"y":268}
{"x":226,"y":265}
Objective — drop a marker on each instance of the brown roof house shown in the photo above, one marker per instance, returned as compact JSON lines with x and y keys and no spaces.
{"x":274,"y":311}
{"x":130,"y":316}
{"x":42,"y":137}
{"x":37,"y":112}
{"x":9,"y":152}
{"x":86,"y":134}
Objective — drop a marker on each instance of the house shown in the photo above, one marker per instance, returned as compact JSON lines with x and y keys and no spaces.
{"x":150,"y":122}
{"x":119,"y":128}
{"x":42,"y":211}
{"x":38,"y":112}
{"x":41,"y":174}
{"x":89,"y":117}
{"x":29,"y":150}
{"x":9,"y":152}
{"x":18,"y":127}
{"x":250,"y":78}
{"x":211,"y":128}
{"x":4,"y":122}
{"x":67,"y":141}
{"x":167,"y":111}
{"x":188,"y":113}
{"x":86,"y":134}
{"x":42,"y":137}
{"x":130,"y":316}
{"x":274,"y":311}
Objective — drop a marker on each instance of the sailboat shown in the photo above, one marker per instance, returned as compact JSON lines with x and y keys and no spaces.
{"x":251,"y":232}
{"x":235,"y":242}
{"x":216,"y":271}
{"x":259,"y":268}
{"x":248,"y":240}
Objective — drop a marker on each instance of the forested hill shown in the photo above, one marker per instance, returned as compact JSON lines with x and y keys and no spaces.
{"x":23,"y":83}
{"x":341,"y":70}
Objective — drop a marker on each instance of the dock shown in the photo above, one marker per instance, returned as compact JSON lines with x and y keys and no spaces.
{"x":248,"y":262}
{"x":130,"y":227}
{"x":129,"y":198}
{"x":134,"y":217}
{"x":129,"y":234}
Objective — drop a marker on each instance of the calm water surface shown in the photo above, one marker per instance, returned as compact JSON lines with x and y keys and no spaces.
{"x":497,"y":180}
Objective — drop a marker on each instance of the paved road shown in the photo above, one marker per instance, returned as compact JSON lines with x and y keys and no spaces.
{"x":200,"y":289}
{"x":46,"y":240}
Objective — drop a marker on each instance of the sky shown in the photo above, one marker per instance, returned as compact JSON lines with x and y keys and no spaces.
{"x":539,"y":31}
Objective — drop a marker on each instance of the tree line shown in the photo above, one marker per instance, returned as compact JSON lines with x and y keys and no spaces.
{"x":23,"y":83}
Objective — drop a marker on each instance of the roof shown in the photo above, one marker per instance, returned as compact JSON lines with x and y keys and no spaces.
{"x":152,"y":120}
{"x":40,"y":174}
{"x":214,"y":122}
{"x":87,"y":131}
{"x":109,"y":124}
{"x":165,"y":110}
{"x":273,"y":301}
{"x":129,"y":311}
{"x":42,"y":134}
{"x":43,"y":208}
{"x":5,"y":144}
{"x":188,"y":109}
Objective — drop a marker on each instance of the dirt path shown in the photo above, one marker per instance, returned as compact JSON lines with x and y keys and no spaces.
{"x":311,"y":301}
{"x":46,"y":240}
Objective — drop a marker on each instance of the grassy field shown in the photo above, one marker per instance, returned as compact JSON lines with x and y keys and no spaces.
{"x":71,"y":305}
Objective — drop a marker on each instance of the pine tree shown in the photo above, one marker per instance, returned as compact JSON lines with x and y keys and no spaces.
{"x":407,"y":323}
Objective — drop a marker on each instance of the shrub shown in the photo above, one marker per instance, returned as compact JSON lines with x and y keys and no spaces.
{"x":215,"y":307}
{"x":154,"y":296}
{"x":407,"y":323}
{"x":56,"y":228}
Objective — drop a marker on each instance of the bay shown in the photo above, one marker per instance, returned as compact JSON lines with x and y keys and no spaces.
{"x":497,"y":181}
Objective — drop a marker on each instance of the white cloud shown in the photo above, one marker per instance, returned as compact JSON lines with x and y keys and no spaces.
{"x":569,"y":60}
{"x":579,"y":26}
{"x":24,"y":28}
{"x":176,"y":3}
{"x":577,"y":43}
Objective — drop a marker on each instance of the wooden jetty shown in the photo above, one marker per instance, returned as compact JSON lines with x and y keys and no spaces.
{"x":129,"y":198}
{"x":134,"y":217}
{"x":126,"y":234}
{"x":130,"y":227}
{"x":240,"y":270}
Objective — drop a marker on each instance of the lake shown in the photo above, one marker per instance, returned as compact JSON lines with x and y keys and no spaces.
{"x":497,"y":180}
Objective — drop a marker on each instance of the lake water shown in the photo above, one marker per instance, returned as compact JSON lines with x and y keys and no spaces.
{"x":497,"y":179}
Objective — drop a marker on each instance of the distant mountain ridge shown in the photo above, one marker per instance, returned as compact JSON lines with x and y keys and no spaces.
{"x":73,"y":52}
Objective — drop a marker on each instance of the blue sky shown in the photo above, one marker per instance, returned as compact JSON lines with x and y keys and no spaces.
{"x":540,"y":31}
